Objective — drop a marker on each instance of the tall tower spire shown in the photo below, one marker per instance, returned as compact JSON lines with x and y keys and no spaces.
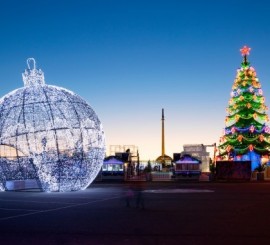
{"x":163,"y":158}
{"x":162,"y":135}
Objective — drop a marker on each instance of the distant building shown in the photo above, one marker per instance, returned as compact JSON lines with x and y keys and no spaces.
{"x":199,"y":151}
{"x":163,"y":159}
{"x":125,"y":151}
{"x":129,"y":155}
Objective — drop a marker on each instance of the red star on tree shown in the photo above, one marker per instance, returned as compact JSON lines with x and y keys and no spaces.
{"x":245,"y":50}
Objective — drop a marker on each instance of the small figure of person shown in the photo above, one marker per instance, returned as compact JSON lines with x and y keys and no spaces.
{"x":139,"y":195}
{"x":129,"y":196}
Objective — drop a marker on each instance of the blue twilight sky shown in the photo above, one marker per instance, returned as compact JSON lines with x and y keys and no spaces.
{"x":129,"y":59}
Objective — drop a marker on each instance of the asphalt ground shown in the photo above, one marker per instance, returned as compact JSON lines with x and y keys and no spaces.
{"x":174,"y":213}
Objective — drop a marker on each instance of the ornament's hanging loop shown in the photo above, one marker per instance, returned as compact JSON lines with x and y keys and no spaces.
{"x":32,"y":76}
{"x":33,"y":61}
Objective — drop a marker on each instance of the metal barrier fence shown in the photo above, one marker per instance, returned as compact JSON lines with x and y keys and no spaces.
{"x":161,"y":176}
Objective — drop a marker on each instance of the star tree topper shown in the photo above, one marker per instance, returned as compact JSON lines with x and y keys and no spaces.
{"x":245,"y":50}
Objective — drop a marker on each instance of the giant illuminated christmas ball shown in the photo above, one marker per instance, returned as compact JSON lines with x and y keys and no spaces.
{"x":55,"y":137}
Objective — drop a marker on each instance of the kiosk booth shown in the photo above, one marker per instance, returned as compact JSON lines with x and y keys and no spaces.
{"x":113,"y":166}
{"x":187,"y":167}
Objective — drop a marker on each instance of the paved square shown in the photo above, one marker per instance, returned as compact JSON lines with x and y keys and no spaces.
{"x":175,"y":213}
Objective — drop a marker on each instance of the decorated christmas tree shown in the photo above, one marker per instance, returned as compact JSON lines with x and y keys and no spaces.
{"x":246,"y":135}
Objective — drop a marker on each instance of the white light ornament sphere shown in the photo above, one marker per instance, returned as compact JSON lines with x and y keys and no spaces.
{"x":56,"y":136}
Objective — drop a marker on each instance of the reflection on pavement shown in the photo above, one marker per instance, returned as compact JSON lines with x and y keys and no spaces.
{"x":179,"y":191}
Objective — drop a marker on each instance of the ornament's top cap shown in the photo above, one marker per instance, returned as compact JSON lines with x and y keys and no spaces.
{"x":32,"y":76}
{"x":245,"y":50}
